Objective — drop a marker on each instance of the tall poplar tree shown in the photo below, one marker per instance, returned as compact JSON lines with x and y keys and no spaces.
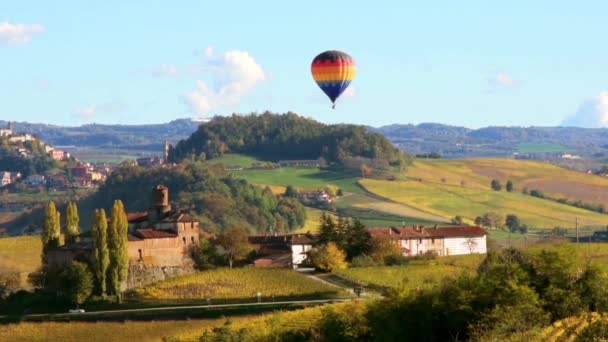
{"x":117,"y":245}
{"x":72,"y":223}
{"x":101,"y":256}
{"x":51,"y":230}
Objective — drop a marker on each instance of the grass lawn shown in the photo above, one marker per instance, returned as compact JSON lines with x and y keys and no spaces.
{"x":239,"y":284}
{"x":449,"y":200}
{"x":233,"y":159}
{"x":20,"y":254}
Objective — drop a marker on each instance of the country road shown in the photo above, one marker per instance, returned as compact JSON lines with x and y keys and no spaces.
{"x":54,"y":316}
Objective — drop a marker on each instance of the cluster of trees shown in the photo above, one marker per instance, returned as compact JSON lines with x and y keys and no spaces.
{"x":600,"y":208}
{"x":351,"y":237}
{"x":289,"y":136}
{"x":37,"y":162}
{"x":497,"y":186}
{"x":107,"y":270}
{"x":512,"y":296}
{"x":495,"y":220}
{"x":432,"y":155}
{"x":208,"y":192}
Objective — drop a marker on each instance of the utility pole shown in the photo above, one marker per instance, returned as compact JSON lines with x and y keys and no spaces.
{"x":576,"y":225}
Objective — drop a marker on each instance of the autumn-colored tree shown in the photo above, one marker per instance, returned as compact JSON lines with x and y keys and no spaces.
{"x":72,"y":226}
{"x":118,"y":268}
{"x":383,"y":246}
{"x":234,"y":243}
{"x":328,"y":258}
{"x":101,"y":256}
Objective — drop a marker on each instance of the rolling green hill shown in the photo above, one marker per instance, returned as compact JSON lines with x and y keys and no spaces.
{"x":448,"y":200}
{"x":478,"y":173}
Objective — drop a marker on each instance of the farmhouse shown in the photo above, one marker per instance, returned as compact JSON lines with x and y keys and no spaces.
{"x":282,"y":250}
{"x":442,"y":241}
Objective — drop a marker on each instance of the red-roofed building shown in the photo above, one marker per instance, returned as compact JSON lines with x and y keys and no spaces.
{"x":418,"y":240}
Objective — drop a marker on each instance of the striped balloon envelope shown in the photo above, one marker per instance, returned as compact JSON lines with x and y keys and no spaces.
{"x":333,"y":71}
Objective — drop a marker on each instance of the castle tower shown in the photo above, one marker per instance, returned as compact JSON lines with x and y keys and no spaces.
{"x":160,"y":203}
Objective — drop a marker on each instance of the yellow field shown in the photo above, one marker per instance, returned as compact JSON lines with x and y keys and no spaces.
{"x":20,"y":254}
{"x":451,"y":200}
{"x":419,"y":274}
{"x":478,"y":173}
{"x":239,"y":284}
{"x":106,"y":331}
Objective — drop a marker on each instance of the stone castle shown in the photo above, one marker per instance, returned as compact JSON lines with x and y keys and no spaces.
{"x":160,"y":243}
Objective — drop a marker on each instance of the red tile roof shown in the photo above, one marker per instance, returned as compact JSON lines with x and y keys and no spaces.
{"x":151,"y":233}
{"x":429,"y":232}
{"x":137,"y":216}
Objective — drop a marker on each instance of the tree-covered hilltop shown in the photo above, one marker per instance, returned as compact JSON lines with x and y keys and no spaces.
{"x":208,"y":192}
{"x":35,"y":160}
{"x":288,"y":136}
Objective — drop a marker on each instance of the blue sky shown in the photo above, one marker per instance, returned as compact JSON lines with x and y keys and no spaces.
{"x":469,"y":63}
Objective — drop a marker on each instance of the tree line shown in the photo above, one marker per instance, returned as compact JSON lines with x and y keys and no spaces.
{"x":104,"y":273}
{"x":511,"y":296}
{"x":218,"y":200}
{"x":289,"y":136}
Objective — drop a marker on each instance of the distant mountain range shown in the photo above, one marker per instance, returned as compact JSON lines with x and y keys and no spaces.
{"x":117,"y":136}
{"x":449,"y":141}
{"x":534,"y":142}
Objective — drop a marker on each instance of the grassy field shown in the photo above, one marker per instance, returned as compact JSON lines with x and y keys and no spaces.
{"x":305,"y":178}
{"x":418,"y":274}
{"x":20,"y":254}
{"x":478,"y":173}
{"x":539,"y":148}
{"x":450,"y":200}
{"x":239,"y":284}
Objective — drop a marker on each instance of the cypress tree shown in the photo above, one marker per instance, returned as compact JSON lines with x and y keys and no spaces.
{"x":358,"y":240}
{"x":72,"y":223}
{"x":101,"y":255}
{"x":117,"y":245}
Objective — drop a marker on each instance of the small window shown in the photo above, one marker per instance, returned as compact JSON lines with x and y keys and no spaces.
{"x":419,"y":241}
{"x":192,"y":239}
{"x":184,"y":238}
{"x":140,"y":255}
{"x":432,"y":240}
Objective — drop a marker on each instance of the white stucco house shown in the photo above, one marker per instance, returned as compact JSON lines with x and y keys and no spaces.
{"x":282,"y":249}
{"x":442,"y":241}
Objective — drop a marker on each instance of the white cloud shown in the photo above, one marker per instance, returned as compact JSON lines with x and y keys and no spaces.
{"x":16,"y":34}
{"x":351,"y":91}
{"x":502,"y":80}
{"x":90,"y":111}
{"x":164,"y":70}
{"x":86,"y":112}
{"x":591,"y":113}
{"x":235,"y":74}
{"x":209,"y":51}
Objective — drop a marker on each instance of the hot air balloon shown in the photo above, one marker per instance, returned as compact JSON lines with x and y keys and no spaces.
{"x":333,"y":71}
